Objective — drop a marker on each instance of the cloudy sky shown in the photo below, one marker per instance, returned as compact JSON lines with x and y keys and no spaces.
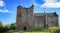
{"x":8,"y":8}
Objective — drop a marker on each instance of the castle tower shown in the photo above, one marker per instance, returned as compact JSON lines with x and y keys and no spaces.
{"x":24,"y":18}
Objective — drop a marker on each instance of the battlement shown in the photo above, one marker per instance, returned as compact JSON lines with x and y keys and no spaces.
{"x":26,"y":19}
{"x":25,"y":7}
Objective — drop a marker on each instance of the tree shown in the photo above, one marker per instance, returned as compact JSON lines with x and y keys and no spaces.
{"x":13,"y":26}
{"x":1,"y":24}
{"x":3,"y":28}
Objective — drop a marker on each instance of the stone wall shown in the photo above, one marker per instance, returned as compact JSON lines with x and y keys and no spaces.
{"x":24,"y":17}
{"x":27,"y":19}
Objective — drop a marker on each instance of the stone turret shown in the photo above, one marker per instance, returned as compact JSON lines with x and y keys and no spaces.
{"x":24,"y":17}
{"x":27,"y":19}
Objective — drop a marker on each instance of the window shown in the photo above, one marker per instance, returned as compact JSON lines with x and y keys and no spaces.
{"x":29,"y":15}
{"x":23,"y":14}
{"x":49,"y":19}
{"x":24,"y":10}
{"x":29,"y":10}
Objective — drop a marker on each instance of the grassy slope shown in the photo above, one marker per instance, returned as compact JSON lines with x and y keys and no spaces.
{"x":37,"y":30}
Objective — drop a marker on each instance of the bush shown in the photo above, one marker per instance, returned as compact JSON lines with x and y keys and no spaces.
{"x":12,"y":26}
{"x":54,"y":29}
{"x":4,"y":28}
{"x":39,"y":29}
{"x":7,"y":27}
{"x":58,"y":30}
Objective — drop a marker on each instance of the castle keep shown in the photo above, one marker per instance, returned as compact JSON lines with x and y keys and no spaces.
{"x":27,"y":19}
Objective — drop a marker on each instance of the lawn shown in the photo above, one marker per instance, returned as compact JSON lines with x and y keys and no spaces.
{"x":28,"y":32}
{"x":35,"y":32}
{"x":38,"y":30}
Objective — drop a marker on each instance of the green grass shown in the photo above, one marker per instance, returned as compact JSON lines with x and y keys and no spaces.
{"x":34,"y":32}
{"x":37,"y":30}
{"x":11,"y":31}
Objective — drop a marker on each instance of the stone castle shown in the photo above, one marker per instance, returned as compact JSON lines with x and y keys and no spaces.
{"x":27,"y":19}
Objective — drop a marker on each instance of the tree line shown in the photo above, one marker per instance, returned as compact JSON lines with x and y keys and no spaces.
{"x":7,"y":27}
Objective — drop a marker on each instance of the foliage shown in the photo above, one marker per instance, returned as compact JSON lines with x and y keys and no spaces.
{"x":13,"y":26}
{"x":1,"y":24}
{"x":40,"y":29}
{"x":3,"y":28}
{"x":44,"y":29}
{"x":54,"y":29}
{"x":11,"y":31}
{"x":34,"y":32}
{"x":7,"y":27}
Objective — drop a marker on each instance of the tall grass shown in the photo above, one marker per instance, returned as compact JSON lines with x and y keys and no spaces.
{"x":40,"y":29}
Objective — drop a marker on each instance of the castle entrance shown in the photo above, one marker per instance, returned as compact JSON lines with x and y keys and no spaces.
{"x":25,"y":28}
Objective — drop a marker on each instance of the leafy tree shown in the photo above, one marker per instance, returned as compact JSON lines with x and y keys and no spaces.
{"x":7,"y":27}
{"x":13,"y":26}
{"x":4,"y":28}
{"x":1,"y":24}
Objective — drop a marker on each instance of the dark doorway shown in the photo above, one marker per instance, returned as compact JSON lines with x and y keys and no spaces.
{"x":25,"y":28}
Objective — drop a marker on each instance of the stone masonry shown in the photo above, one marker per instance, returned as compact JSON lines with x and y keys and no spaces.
{"x":27,"y":19}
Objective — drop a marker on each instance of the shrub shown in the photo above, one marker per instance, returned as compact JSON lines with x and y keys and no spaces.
{"x":58,"y":30}
{"x":39,"y":29}
{"x":12,"y":26}
{"x":54,"y":29}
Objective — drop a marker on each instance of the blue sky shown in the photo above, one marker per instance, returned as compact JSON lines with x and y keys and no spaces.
{"x":8,"y":8}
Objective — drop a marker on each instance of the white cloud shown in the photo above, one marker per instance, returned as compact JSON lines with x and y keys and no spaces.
{"x":2,"y":3}
{"x":36,"y":4}
{"x":49,"y":1}
{"x":5,"y":11}
{"x":51,"y":4}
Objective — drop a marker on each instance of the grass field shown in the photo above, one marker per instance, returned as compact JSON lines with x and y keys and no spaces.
{"x":35,"y":32}
{"x":38,"y":30}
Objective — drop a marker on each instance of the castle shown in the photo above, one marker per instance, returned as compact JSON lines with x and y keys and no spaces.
{"x":27,"y":19}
